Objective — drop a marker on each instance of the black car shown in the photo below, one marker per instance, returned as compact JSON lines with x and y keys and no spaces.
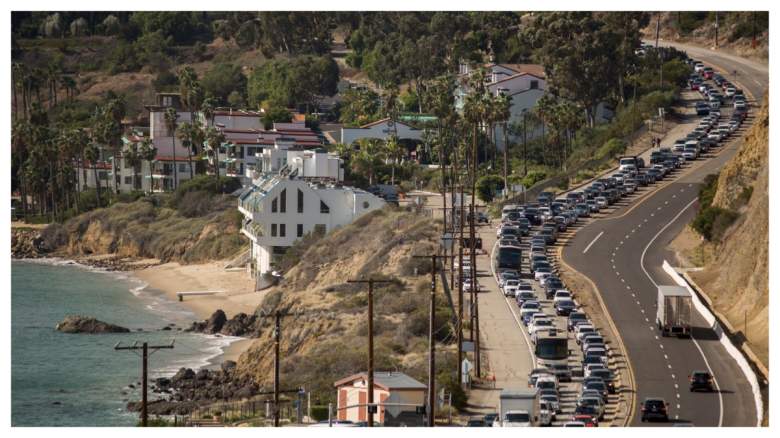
{"x":565,"y":307}
{"x":655,"y":409}
{"x":551,"y":285}
{"x":584,"y":412}
{"x":598,"y":385}
{"x":476,"y":422}
{"x":701,"y":381}
{"x":607,"y":376}
{"x":490,"y":418}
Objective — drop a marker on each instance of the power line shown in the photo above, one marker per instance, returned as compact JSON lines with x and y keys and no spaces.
{"x":145,"y":347}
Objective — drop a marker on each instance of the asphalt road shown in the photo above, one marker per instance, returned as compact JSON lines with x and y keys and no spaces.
{"x":623,"y":254}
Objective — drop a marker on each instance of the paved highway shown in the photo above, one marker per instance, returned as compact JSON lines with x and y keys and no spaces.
{"x":623,"y":254}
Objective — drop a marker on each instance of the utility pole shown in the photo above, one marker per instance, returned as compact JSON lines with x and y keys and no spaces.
{"x":474,"y":287}
{"x":525,"y":148}
{"x":277,"y":338}
{"x":460,"y":293}
{"x":657,"y":28}
{"x":145,"y":353}
{"x":716,"y":29}
{"x":432,"y":342}
{"x":370,"y":379}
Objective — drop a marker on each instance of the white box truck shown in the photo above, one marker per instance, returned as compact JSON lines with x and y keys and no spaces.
{"x":673,"y":316}
{"x":518,"y":408}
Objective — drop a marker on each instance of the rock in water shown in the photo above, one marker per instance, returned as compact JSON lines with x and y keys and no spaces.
{"x":84,"y":324}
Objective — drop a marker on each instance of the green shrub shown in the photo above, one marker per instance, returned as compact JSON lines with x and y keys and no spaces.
{"x":487,"y":186}
{"x":532,"y":178}
{"x":319,"y":413}
{"x":712,"y":222}
{"x":611,"y":148}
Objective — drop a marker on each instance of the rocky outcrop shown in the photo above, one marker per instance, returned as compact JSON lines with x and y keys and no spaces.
{"x":85,"y":324}
{"x":189,"y":389}
{"x":212,"y":325}
{"x":240,"y":325}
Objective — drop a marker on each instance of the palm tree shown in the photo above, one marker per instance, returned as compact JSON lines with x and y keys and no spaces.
{"x":148,"y":152}
{"x":394,"y":152}
{"x":171,"y":117}
{"x":133,"y":157}
{"x":186,"y":133}
{"x":207,"y":109}
{"x":214,"y":139}
{"x":92,"y":153}
{"x":503,"y":115}
{"x":365,"y":160}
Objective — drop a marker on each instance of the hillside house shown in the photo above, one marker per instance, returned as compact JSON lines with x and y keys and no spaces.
{"x":295,"y":191}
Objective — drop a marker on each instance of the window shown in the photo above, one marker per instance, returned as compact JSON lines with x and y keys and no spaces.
{"x":274,"y":206}
{"x":183,"y":167}
{"x":279,"y":250}
{"x":300,"y":201}
{"x":282,"y":230}
{"x":103,"y":175}
{"x":534,"y":85}
{"x":128,"y":180}
{"x":320,"y":229}
{"x":324,"y":208}
{"x":273,"y":230}
{"x":300,"y":230}
{"x":366,"y":204}
{"x":283,"y":201}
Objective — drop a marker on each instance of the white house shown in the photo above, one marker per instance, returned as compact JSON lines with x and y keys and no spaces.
{"x":295,"y":192}
{"x":396,"y":394}
{"x":381,"y":129}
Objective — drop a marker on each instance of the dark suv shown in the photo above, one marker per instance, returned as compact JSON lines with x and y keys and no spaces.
{"x":701,"y":381}
{"x":654,"y":409}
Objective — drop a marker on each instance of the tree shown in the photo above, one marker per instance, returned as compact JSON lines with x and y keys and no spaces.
{"x":92,"y":154}
{"x":366,"y":159}
{"x":148,"y":152}
{"x":214,"y":140}
{"x":133,"y":157}
{"x":171,"y":121}
{"x":503,"y":114}
{"x":222,"y":80}
{"x":358,"y":107}
{"x":487,"y":186}
{"x":289,"y":82}
{"x":394,"y":152}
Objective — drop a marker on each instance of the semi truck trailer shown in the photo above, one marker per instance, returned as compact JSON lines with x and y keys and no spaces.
{"x":673,"y":316}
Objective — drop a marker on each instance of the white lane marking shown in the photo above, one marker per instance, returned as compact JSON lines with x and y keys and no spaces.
{"x":627,"y":236}
{"x":678,"y":407}
{"x":698,"y":347}
{"x":669,"y":365}
{"x":673,"y":376}
{"x":653,"y":328}
{"x":666,"y":357}
{"x":621,"y":242}
{"x":662,"y":347}
{"x":645,"y":220}
{"x":592,"y":242}
{"x":646,"y":320}
{"x":676,"y":386}
{"x":622,"y":280}
{"x":628,"y":287}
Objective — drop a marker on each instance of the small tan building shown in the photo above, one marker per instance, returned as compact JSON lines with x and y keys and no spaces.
{"x":396,"y":394}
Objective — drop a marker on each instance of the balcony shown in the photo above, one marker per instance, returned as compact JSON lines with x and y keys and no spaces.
{"x":252,"y":230}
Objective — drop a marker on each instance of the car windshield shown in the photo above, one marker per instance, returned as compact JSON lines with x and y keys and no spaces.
{"x":517,"y":417}
{"x":654,"y":404}
{"x":701,"y":377}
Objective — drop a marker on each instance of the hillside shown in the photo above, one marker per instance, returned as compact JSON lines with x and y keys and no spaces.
{"x":735,"y":270}
{"x":735,"y":31}
{"x":202,"y":227}
{"x":328,"y":341}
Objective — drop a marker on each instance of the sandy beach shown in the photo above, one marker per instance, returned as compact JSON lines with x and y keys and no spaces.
{"x":236,"y":293}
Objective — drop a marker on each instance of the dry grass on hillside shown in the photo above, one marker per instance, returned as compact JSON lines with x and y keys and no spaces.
{"x":328,"y":341}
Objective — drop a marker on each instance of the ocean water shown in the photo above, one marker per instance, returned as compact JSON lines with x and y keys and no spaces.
{"x":60,"y":379}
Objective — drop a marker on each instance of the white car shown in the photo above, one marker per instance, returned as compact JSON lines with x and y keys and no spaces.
{"x":510,"y":291}
{"x":541,"y":273}
{"x":602,"y":202}
{"x":583,"y":329}
{"x":540,"y":324}
{"x":561,"y":294}
{"x":730,"y":91}
{"x":546,"y":413}
{"x":516,"y":419}
{"x":698,"y":67}
{"x":589,"y":368}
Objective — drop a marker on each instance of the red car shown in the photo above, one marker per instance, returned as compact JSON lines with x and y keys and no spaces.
{"x":587,"y":420}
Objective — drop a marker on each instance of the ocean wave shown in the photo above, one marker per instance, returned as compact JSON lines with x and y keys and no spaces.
{"x":203,"y":355}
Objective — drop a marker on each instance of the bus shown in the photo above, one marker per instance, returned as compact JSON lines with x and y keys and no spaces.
{"x":552,"y":352}
{"x":509,"y":257}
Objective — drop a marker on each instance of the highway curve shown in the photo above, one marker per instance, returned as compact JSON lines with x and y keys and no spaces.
{"x":623,"y":253}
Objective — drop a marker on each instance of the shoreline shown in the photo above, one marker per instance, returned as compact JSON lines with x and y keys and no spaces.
{"x":163,"y":281}
{"x":235,"y":295}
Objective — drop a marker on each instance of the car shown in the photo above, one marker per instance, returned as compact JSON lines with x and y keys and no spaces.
{"x":589,"y":368}
{"x":523,"y":296}
{"x":529,"y":308}
{"x":598,"y":385}
{"x":565,"y":307}
{"x":546,"y":382}
{"x":702,"y":109}
{"x":574,"y":424}
{"x":595,"y":402}
{"x":701,"y":381}
{"x":561,"y":294}
{"x":540,"y":324}
{"x":582,"y":330}
{"x":553,"y":401}
{"x":575,"y":317}
{"x":542,"y":272}
{"x":655,"y":409}
{"x":490,"y":418}
{"x":589,"y":415}
{"x":730,"y":91}
{"x":476,"y":422}
{"x":540,"y":264}
{"x":607,"y":376}
{"x":599,"y":351}
{"x":546,"y":413}
{"x":698,"y":67}
{"x":602,"y":202}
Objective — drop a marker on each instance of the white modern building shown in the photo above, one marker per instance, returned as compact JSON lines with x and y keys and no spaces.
{"x":296,"y":191}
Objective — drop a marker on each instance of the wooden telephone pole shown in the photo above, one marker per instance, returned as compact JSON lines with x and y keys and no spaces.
{"x":145,"y":353}
{"x":432,"y":342}
{"x":371,"y":407}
